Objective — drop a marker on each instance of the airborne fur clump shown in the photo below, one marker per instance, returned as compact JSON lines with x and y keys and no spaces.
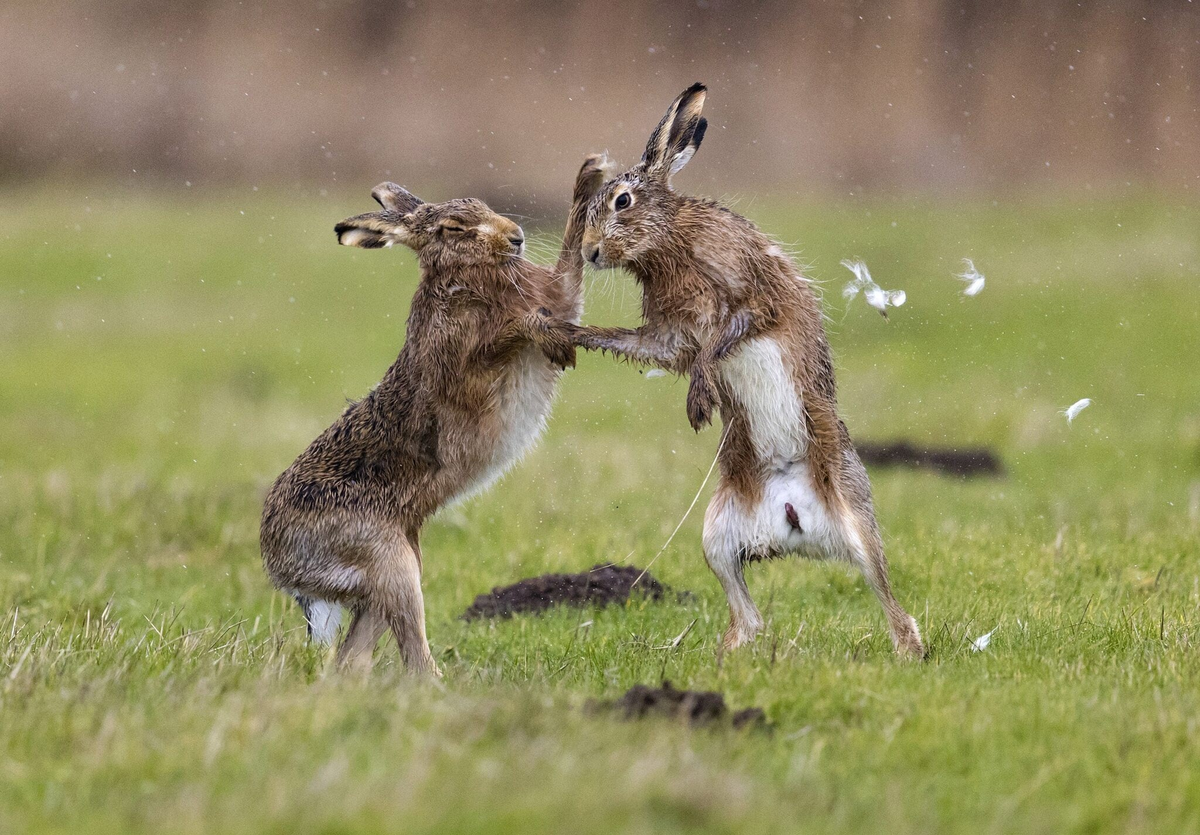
{"x":875,"y":295}
{"x":973,"y":278}
{"x":1072,"y":411}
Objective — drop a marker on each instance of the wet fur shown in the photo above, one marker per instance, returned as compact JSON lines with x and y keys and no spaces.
{"x":487,"y":339}
{"x":723,"y":304}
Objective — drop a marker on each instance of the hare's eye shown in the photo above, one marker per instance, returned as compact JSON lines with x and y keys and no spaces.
{"x":622,"y":202}
{"x":453,"y":230}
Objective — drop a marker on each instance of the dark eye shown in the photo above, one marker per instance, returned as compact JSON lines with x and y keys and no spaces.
{"x":622,"y":202}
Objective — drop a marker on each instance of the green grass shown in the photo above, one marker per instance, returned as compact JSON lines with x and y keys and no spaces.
{"x":164,"y":359}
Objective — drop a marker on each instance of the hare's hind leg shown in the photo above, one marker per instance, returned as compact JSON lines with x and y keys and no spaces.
{"x":725,"y":533}
{"x":396,"y":594}
{"x":355,"y":653}
{"x":865,"y":547}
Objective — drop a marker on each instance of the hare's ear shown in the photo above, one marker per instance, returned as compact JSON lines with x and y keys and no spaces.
{"x":395,"y":198}
{"x":678,"y":135}
{"x":375,"y":230}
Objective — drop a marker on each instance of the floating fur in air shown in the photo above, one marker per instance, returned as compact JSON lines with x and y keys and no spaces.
{"x":973,"y":278}
{"x":655,"y":372}
{"x":1072,"y":411}
{"x":875,"y":295}
{"x":981,"y":643}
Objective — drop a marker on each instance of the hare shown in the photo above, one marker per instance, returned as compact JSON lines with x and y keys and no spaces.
{"x":723,"y":303}
{"x":487,"y":340}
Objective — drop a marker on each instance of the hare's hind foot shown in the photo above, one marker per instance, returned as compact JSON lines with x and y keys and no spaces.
{"x":906,"y":636}
{"x":741,"y":632}
{"x":867,"y":553}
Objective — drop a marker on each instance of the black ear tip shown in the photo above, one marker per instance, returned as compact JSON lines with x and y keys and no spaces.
{"x":698,"y":134}
{"x":698,"y":87}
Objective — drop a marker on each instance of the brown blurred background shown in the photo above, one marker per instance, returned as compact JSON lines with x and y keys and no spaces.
{"x":502,"y":99}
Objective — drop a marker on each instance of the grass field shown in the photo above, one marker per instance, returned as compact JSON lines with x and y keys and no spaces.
{"x":163,"y":360}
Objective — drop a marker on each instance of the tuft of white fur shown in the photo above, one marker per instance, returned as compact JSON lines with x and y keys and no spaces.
{"x":324,"y":619}
{"x":1072,"y":411}
{"x":981,"y":643}
{"x":655,"y":372}
{"x":875,"y":295}
{"x":973,"y":278}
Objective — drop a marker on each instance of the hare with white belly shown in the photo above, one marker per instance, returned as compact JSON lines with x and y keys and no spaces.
{"x":723,"y":303}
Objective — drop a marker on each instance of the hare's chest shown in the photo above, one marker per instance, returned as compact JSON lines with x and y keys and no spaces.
{"x":522,"y":396}
{"x":525,"y":396}
{"x":758,"y":376}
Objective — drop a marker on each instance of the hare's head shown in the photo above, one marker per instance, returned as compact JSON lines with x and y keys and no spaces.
{"x":633,"y":213}
{"x":454,"y":233}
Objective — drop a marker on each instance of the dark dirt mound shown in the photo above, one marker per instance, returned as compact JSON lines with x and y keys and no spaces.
{"x":697,"y":707}
{"x":604,"y":584}
{"x":963,"y":462}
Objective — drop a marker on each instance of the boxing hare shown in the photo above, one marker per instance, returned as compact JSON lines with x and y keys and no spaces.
{"x":487,"y":339}
{"x":724,"y":304}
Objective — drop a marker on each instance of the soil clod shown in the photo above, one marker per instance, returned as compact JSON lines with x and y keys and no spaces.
{"x":602,"y":585}
{"x":967,"y":461}
{"x":697,"y":707}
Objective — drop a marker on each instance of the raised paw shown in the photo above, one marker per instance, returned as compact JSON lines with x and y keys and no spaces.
{"x":585,"y":337}
{"x":562,"y":355}
{"x":701,"y":400}
{"x":556,"y":338}
{"x":591,"y":176}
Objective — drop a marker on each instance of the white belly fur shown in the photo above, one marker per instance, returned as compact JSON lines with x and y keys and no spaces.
{"x":766,"y":389}
{"x":526,"y":394}
{"x":764,"y":530}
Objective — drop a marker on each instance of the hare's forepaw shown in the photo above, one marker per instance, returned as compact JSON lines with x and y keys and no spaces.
{"x":556,"y":338}
{"x":701,"y":401}
{"x":591,"y":176}
{"x":584,"y":337}
{"x":561,"y":354}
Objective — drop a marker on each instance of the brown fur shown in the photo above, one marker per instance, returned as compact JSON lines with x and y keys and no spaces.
{"x":712,"y":281}
{"x":487,"y":338}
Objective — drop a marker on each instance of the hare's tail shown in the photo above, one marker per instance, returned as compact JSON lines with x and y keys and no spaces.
{"x":324,"y":619}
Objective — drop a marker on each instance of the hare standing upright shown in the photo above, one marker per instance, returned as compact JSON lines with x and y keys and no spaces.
{"x":487,"y":339}
{"x":723,"y":303}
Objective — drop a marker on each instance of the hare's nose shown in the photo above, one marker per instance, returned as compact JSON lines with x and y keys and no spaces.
{"x":591,"y":252}
{"x":516,"y":241}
